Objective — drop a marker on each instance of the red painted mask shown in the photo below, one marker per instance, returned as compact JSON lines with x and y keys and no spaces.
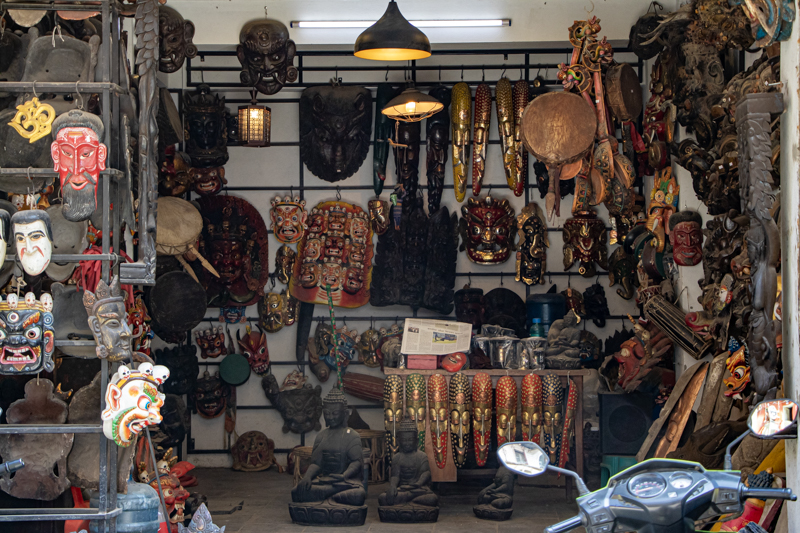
{"x":78,"y":156}
{"x":254,"y":346}
{"x":486,"y":227}
{"x":482,"y":416}
{"x":211,"y":343}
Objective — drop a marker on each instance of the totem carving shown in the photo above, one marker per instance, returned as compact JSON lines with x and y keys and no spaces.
{"x":505,"y":123}
{"x":439,"y":415}
{"x":460,"y":415}
{"x":482,"y":416}
{"x":392,"y":411}
{"x":552,"y":406}
{"x":437,"y":138}
{"x":460,"y":117}
{"x":480,"y":135}
{"x":531,"y":408}
{"x":416,"y":396}
{"x":506,"y":406}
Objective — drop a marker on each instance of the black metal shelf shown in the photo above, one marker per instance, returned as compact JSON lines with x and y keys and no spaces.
{"x":49,"y":173}
{"x":67,"y":5}
{"x":49,"y":429}
{"x":58,"y":86}
{"x":42,"y":515}
{"x":75,"y":258}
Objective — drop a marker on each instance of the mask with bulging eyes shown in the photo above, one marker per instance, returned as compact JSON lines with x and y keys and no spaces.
{"x":208,"y":181}
{"x":272,"y":312}
{"x":27,"y":338}
{"x":133,"y":402}
{"x":267,"y":55}
{"x":211,"y":343}
{"x":460,"y":412}
{"x":254,"y":347}
{"x":482,"y":416}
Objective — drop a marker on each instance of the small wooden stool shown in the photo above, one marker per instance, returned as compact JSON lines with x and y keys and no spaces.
{"x":375,"y":441}
{"x":301,"y":453}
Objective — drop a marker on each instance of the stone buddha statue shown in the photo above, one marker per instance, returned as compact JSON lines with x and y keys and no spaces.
{"x":409,"y":498}
{"x":332,"y":490}
{"x":495,"y":501}
{"x":563,"y":343}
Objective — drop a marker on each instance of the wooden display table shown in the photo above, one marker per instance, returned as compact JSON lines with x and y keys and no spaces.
{"x":575,"y":375}
{"x":375,"y":442}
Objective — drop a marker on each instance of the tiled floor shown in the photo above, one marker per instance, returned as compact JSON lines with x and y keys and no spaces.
{"x":266,"y":495}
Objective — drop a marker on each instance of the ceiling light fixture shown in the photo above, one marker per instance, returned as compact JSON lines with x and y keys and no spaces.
{"x":392,"y":38}
{"x":412,"y":106}
{"x":358,"y":24}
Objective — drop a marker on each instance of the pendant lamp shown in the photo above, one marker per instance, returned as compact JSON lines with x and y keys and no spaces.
{"x":255,"y":122}
{"x":412,"y":106}
{"x":392,"y":38}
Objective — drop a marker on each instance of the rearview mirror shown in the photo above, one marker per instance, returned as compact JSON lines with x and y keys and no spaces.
{"x":525,"y":458}
{"x":772,"y":417}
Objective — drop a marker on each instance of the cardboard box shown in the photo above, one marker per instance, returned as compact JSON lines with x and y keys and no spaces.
{"x":422,"y":362}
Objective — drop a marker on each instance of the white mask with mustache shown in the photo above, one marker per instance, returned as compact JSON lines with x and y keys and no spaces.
{"x":33,"y":246}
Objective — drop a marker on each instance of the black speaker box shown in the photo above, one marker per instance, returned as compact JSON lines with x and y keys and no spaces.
{"x":624,"y":422}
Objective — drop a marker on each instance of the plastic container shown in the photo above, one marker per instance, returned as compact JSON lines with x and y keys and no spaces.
{"x":536,"y":328}
{"x":548,"y":307}
{"x":139,"y":510}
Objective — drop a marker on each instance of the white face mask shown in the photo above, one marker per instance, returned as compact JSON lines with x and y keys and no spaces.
{"x":33,"y":246}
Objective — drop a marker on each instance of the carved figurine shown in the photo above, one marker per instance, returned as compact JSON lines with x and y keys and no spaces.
{"x":533,"y":244}
{"x":409,"y":498}
{"x":392,"y":411}
{"x":383,"y":132}
{"x":437,"y":138}
{"x":439,"y":415}
{"x":335,"y":126}
{"x":636,"y":357}
{"x":300,"y":407}
{"x":406,"y":162}
{"x":482,"y":416}
{"x":33,"y":235}
{"x":139,"y":321}
{"x":521,"y":94}
{"x":267,"y":55}
{"x":133,"y":402}
{"x":284,"y":263}
{"x":204,"y":128}
{"x":480,"y":136}
{"x":495,"y":501}
{"x":563,"y":343}
{"x":108,"y":321}
{"x":210,"y":395}
{"x":254,"y":452}
{"x":174,"y":40}
{"x":506,"y":406}
{"x":460,"y":107}
{"x":78,"y":155}
{"x":236,"y":242}
{"x":335,"y":252}
{"x":332,"y":489}
{"x":552,"y":405}
{"x":486,"y":230}
{"x":379,"y":216}
{"x":416,"y":408}
{"x":211,"y":342}
{"x":531,"y":408}
{"x":574,"y":300}
{"x":254,"y":347}
{"x":596,"y":305}
{"x":622,"y":270}
{"x":663,"y":203}
{"x":686,"y":235}
{"x":389,"y":346}
{"x":585,"y":241}
{"x":288,"y":219}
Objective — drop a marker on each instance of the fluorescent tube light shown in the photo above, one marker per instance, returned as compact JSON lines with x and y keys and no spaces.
{"x":337,"y":24}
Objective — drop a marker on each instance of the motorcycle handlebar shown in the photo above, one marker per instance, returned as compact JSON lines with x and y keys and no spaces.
{"x":768,"y":494}
{"x":566,"y":525}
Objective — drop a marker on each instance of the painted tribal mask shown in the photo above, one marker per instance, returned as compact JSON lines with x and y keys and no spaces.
{"x":108,"y":320}
{"x":740,"y":373}
{"x":267,"y":55}
{"x":531,"y":408}
{"x":533,"y":244}
{"x":210,"y":395}
{"x":253,"y":452}
{"x":482,"y":416}
{"x":506,"y":406}
{"x":254,"y":347}
{"x":288,"y":219}
{"x":553,"y":403}
{"x":207,"y":181}
{"x":379,"y":216}
{"x":174,"y":40}
{"x":33,"y":235}
{"x":486,"y":228}
{"x":460,"y":413}
{"x":335,"y":127}
{"x":439,"y":416}
{"x":415,"y":404}
{"x":585,"y":241}
{"x":26,"y":334}
{"x":272,"y":311}
{"x":392,"y":410}
{"x":133,"y":402}
{"x":211,"y":342}
{"x":368,"y":347}
{"x":686,"y":234}
{"x":205,"y":128}
{"x":78,"y":156}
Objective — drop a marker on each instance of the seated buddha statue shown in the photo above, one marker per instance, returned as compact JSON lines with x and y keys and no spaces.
{"x":563,"y":343}
{"x":332,"y":491}
{"x":409,"y":498}
{"x":495,"y":501}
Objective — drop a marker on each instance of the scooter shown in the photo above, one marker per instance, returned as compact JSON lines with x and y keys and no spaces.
{"x":663,"y":495}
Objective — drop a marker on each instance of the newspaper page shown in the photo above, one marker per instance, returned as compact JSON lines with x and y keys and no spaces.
{"x":435,"y":337}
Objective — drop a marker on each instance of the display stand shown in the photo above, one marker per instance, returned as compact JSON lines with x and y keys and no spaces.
{"x":109,"y":87}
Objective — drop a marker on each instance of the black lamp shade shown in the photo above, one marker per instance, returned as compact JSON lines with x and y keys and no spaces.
{"x":392,"y":38}
{"x":254,"y":125}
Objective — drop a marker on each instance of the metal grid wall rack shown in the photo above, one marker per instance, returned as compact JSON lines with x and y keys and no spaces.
{"x":227,"y":66}
{"x":109,"y":89}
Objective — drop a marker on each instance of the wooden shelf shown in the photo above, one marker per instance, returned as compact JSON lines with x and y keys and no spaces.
{"x":492,"y":372}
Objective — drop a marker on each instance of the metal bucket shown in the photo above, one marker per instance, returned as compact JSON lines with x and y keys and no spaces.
{"x":139,"y":510}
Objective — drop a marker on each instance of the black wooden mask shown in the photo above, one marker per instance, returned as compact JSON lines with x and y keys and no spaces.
{"x":183,"y":368}
{"x":205,"y":128}
{"x":406,"y":162}
{"x":585,"y":240}
{"x":174,"y":39}
{"x":438,"y":137}
{"x":300,"y":408}
{"x":335,"y":124}
{"x":267,"y":55}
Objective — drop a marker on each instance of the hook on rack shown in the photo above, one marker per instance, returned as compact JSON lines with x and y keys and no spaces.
{"x":462,"y":72}
{"x":501,"y":278}
{"x":34,"y":90}
{"x":469,"y":278}
{"x":386,"y":78}
{"x":483,"y":74}
{"x":57,"y":30}
{"x":440,"y":73}
{"x":338,"y":194}
{"x":80,"y":98}
{"x":503,"y":74}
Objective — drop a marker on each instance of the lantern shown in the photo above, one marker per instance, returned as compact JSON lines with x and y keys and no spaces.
{"x":254,"y":124}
